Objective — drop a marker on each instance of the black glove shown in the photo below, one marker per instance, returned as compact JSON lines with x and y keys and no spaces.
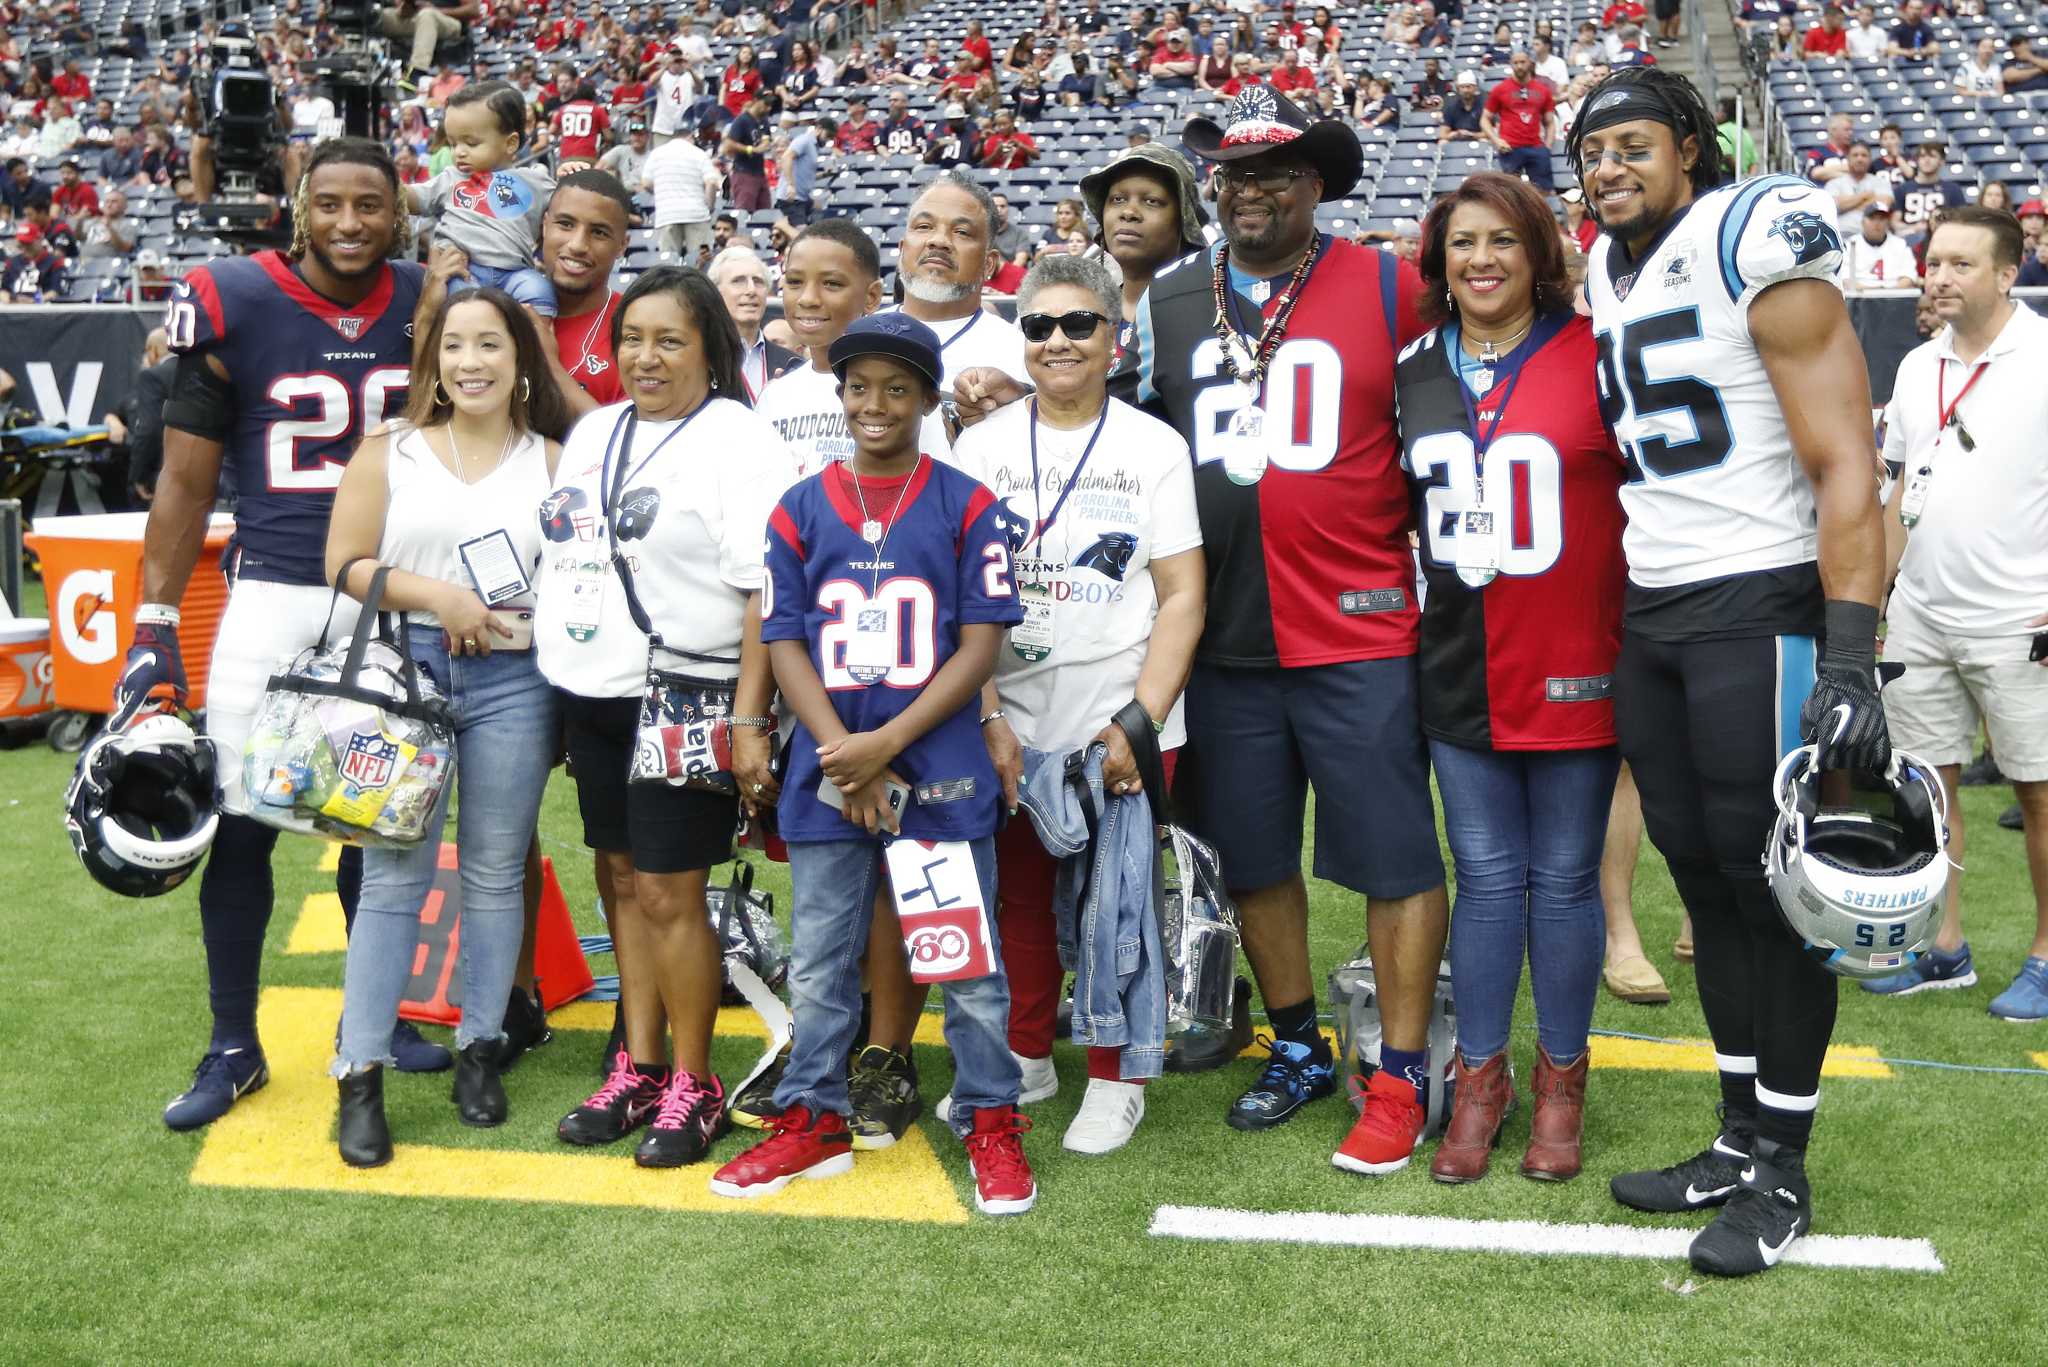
{"x":154,"y":673}
{"x":1843,"y":715}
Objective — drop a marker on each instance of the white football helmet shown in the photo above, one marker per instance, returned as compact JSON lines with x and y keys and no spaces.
{"x":1863,"y":892}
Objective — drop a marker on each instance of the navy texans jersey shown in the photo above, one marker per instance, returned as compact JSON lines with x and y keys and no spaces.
{"x":944,"y":564}
{"x":310,"y":376}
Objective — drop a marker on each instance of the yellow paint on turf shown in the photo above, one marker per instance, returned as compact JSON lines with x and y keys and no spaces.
{"x":330,"y":857}
{"x":1258,"y":1050}
{"x":321,"y":928}
{"x":1697,"y":1056}
{"x":282,"y":1138}
{"x":2041,"y":1059}
{"x":735,"y":1021}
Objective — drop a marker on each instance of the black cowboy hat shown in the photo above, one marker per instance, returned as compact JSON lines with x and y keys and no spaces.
{"x":1261,"y":119}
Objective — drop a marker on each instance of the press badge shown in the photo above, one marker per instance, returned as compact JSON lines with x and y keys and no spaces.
{"x":1477,"y":552}
{"x":872,"y":649}
{"x":1032,"y":638}
{"x":494,"y":569}
{"x":1913,"y":502}
{"x":586,"y":602}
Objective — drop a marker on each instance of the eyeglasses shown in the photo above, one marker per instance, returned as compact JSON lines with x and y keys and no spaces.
{"x":1079,"y":325}
{"x":1589,"y":162}
{"x":1271,"y":181}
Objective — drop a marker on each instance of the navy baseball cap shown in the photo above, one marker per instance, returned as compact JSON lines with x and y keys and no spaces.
{"x":895,"y":335}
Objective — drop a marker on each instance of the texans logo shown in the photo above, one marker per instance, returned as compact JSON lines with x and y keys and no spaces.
{"x":1810,"y":236}
{"x":557,"y":522}
{"x":1015,"y":527}
{"x":1110,"y":555}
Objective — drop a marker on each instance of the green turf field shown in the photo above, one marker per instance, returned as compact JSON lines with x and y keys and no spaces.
{"x":114,"y":1253}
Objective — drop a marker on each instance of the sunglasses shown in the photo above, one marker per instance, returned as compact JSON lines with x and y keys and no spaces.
{"x":1079,"y":325}
{"x":1271,"y":180}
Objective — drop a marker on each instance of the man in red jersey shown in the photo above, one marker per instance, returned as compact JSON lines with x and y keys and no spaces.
{"x":579,"y":127}
{"x":1305,"y":676}
{"x":581,"y":240}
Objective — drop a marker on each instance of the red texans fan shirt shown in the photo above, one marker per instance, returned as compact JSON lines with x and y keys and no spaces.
{"x":581,"y":125}
{"x":1310,"y":565}
{"x":1518,"y":107}
{"x":584,"y":343}
{"x":1525,"y":662}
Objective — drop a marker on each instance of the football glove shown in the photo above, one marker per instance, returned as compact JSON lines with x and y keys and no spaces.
{"x":153,"y":674}
{"x":1843,"y":716}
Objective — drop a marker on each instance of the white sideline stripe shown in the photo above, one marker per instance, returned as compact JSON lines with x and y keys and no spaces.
{"x":1529,"y":1237}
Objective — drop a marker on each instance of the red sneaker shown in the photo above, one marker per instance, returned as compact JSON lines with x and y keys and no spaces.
{"x":1388,"y":1131}
{"x":798,"y":1145}
{"x":1003,"y":1184}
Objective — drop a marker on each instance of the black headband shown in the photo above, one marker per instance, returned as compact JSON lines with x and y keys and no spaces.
{"x":1626,"y":103}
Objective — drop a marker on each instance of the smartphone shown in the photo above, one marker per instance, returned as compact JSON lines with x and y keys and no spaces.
{"x":2040,"y":650}
{"x":829,"y":794}
{"x":520,"y":622}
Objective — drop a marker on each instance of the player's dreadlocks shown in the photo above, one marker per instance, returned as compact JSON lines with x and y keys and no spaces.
{"x":349,"y":152}
{"x":1651,"y":92}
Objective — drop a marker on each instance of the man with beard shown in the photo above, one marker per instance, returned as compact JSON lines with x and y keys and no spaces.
{"x":1272,"y":353}
{"x":285,"y":361}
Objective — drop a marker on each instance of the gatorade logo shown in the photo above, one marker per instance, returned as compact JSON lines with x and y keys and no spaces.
{"x":84,"y":619}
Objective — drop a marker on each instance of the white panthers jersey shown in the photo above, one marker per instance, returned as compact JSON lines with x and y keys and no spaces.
{"x":1714,"y":486}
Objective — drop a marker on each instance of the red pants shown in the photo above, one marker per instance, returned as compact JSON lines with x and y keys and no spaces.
{"x":1025,"y":875}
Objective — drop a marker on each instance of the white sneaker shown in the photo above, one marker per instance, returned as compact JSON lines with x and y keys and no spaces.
{"x":1109,"y":1114}
{"x":1040,"y":1083}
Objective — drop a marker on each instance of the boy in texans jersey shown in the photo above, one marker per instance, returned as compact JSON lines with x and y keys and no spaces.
{"x":889,"y":589}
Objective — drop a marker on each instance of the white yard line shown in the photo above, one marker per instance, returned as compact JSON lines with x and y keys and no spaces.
{"x":1536,"y":1238}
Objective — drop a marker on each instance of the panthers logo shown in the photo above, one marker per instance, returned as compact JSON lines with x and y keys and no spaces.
{"x":637,"y":511}
{"x":1110,"y":555}
{"x":1810,"y":236}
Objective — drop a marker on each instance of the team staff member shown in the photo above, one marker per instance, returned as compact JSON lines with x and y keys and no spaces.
{"x":662,"y":501}
{"x":469,"y":461}
{"x":1101,"y":514}
{"x":1517,"y":490}
{"x":264,"y":341}
{"x":1965,"y":539}
{"x":1732,"y":378}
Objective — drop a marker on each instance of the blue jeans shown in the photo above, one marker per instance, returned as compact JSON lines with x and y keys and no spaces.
{"x":834,"y":903}
{"x":525,"y":284}
{"x":1525,"y":829}
{"x":505,"y":734}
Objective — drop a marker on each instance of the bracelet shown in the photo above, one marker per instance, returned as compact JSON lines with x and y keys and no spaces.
{"x":158,"y":615}
{"x":761,"y":723}
{"x":996,"y":715}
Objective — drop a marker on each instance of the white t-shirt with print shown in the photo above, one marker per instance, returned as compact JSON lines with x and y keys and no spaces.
{"x":694,"y":507}
{"x":984,"y":339}
{"x":806,"y":411}
{"x":1133,"y":503}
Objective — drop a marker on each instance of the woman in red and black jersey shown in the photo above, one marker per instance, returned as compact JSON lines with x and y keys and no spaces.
{"x":1516,"y":484}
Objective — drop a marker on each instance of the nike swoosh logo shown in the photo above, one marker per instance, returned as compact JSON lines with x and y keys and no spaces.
{"x":1727,"y":1152}
{"x":1694,"y":1196}
{"x":1770,"y":1254}
{"x":1749,"y":1173}
{"x":636,"y":1109}
{"x":1843,"y":714}
{"x":140,"y":661}
{"x":1791,"y":196}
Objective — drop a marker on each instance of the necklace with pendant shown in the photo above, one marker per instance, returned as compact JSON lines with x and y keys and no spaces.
{"x":1489,"y":357}
{"x":1246,"y":359}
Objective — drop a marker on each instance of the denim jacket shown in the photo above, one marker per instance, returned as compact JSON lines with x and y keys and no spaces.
{"x":1104,"y":903}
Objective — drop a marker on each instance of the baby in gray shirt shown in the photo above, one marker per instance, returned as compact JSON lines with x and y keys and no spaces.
{"x":484,"y":205}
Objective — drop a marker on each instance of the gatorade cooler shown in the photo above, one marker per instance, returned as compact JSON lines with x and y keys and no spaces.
{"x":92,"y":575}
{"x":24,"y":667}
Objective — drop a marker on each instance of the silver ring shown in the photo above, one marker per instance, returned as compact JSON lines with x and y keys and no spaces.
{"x":760,"y":788}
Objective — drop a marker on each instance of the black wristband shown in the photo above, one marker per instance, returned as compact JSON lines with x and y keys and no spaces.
{"x":1851,"y":636}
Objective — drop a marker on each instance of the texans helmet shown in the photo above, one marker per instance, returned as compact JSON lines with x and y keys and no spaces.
{"x":1863,"y":892}
{"x":141,"y":806}
{"x":558,"y":513}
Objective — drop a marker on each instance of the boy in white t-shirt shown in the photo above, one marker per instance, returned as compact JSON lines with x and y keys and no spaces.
{"x":831,"y":276}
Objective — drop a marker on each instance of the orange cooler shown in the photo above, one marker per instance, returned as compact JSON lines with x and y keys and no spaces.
{"x":92,"y":576}
{"x":24,"y":667}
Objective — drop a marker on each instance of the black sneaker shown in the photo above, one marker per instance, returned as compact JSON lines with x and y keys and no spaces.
{"x":689,"y":1120}
{"x":1292,"y":1077}
{"x":2012,"y":819}
{"x":883,"y":1093}
{"x":1772,"y":1206}
{"x":614,"y":1110}
{"x":416,"y":1053}
{"x":526,"y":1027}
{"x":1983,"y":772}
{"x":1706,"y":1179}
{"x":754,"y":1103}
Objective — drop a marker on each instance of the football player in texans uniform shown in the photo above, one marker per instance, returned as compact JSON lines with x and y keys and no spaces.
{"x":1733,"y":381}
{"x":284,"y":361}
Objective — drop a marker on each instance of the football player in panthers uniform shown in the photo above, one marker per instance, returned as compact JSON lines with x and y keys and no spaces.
{"x":284,"y":361}
{"x":1735,"y":386}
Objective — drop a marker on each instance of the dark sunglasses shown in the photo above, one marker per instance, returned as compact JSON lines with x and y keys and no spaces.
{"x":1079,"y":325}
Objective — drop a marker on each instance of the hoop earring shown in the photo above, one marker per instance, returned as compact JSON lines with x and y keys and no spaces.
{"x":1450,"y":302}
{"x":441,"y":395}
{"x":525,"y":388}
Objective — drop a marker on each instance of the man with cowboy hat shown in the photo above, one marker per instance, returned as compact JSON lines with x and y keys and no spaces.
{"x":1272,"y":353}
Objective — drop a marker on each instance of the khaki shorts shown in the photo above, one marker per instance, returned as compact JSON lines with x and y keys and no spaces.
{"x":1953,"y":682}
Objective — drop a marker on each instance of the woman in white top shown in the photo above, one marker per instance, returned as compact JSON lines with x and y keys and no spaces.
{"x":1110,"y":566}
{"x":663,"y":501}
{"x":450,"y":487}
{"x":1982,"y":76}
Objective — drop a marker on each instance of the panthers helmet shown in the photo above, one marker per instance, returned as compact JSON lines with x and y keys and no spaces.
{"x":141,"y":806}
{"x":1863,"y":892}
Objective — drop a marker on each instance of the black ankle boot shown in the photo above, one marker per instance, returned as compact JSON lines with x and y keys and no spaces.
{"x":365,"y":1139}
{"x":526,"y":1026}
{"x":479,"y":1095}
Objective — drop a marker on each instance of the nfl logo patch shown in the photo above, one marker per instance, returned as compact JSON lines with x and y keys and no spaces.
{"x":369,"y":761}
{"x":349,"y":327}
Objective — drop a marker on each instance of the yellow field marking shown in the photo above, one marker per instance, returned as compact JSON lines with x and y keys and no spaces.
{"x":2041,"y":1059}
{"x":320,"y":928}
{"x":733,"y":1021}
{"x":1697,"y":1056}
{"x":1258,"y":1050}
{"x":330,"y":857}
{"x":282,"y":1138}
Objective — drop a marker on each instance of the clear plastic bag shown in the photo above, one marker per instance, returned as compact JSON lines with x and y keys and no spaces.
{"x":1355,"y":1003}
{"x":1199,"y":934}
{"x":744,"y":921}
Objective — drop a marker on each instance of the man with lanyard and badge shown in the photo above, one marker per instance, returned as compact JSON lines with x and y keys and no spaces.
{"x":1272,"y":354}
{"x":1967,"y":542}
{"x":1732,"y":378}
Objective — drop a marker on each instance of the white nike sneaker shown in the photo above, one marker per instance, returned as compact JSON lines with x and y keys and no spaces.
{"x":1040,"y":1083}
{"x":1109,"y":1115}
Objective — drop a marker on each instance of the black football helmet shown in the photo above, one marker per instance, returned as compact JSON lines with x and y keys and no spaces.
{"x":141,"y":808}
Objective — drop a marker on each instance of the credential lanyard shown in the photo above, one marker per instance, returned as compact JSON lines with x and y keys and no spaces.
{"x":1044,"y":524}
{"x":1945,"y":411}
{"x":1539,"y":333}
